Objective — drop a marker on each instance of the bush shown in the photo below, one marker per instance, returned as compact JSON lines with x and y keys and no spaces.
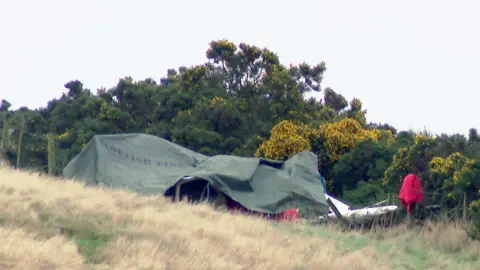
{"x":475,"y":211}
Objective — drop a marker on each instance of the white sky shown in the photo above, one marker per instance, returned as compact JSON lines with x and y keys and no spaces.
{"x":414,"y":64}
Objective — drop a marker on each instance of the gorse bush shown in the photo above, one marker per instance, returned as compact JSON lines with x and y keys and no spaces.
{"x":287,"y":139}
{"x":342,"y":136}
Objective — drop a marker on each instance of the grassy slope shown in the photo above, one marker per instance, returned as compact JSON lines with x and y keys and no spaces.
{"x":53,"y":224}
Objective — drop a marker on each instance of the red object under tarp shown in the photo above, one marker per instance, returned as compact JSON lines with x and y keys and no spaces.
{"x":290,"y":214}
{"x":411,"y":191}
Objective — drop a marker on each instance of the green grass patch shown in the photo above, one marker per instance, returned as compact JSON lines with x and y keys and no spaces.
{"x":402,"y":252}
{"x":91,"y":246}
{"x":88,"y":231}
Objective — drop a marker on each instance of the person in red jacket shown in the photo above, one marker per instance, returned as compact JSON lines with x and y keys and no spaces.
{"x":411,"y":192}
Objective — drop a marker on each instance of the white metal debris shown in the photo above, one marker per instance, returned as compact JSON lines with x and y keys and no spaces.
{"x":358,"y":216}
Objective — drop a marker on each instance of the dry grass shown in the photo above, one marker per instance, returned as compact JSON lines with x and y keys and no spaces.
{"x":52,"y":224}
{"x":434,"y":245}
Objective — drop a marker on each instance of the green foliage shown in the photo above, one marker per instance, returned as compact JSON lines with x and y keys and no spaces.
{"x":365,"y":193}
{"x":5,"y":134}
{"x":467,"y":181}
{"x":334,"y":100}
{"x":475,"y":211}
{"x":414,"y":159}
{"x":361,"y":171}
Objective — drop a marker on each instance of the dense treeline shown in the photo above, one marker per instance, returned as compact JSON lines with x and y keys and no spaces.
{"x":243,"y":101}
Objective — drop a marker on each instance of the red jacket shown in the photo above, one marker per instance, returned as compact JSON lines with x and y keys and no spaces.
{"x":411,"y":191}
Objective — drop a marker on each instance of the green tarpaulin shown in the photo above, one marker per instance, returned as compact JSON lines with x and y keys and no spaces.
{"x":151,"y":165}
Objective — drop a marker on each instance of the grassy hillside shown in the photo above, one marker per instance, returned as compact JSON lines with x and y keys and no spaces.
{"x":55,"y":224}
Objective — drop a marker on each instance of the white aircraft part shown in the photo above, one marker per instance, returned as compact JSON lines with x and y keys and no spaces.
{"x":342,"y":207}
{"x":362,"y":215}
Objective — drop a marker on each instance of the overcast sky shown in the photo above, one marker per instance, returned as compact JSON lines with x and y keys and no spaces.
{"x":413,"y":64}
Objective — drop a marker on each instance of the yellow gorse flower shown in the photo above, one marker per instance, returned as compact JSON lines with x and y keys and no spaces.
{"x":400,"y":162}
{"x":63,"y":135}
{"x":108,"y":112}
{"x":216,"y":99}
{"x":343,"y":135}
{"x":452,"y":167}
{"x":286,"y":140}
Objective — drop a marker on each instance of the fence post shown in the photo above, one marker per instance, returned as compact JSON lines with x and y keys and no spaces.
{"x":51,"y":153}
{"x":4,"y":141}
{"x":19,"y":148}
{"x":464,"y":206}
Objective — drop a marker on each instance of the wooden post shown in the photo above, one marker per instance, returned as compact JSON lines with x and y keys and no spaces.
{"x":177,"y":189}
{"x":4,"y":141}
{"x":20,"y":138}
{"x":51,"y":153}
{"x":465,"y":206}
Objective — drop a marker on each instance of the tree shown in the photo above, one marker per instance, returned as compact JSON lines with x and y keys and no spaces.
{"x":4,"y":105}
{"x":473,"y":144}
{"x":468,"y":182}
{"x":334,"y":100}
{"x":413,"y":159}
{"x":356,"y":111}
{"x":219,"y":126}
{"x":358,"y":174}
{"x":241,"y":67}
{"x":473,"y":135}
{"x":270,"y":91}
{"x":383,"y":126}
{"x":444,"y":174}
{"x":449,"y":144}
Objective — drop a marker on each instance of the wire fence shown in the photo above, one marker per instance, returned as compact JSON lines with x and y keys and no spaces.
{"x":439,"y":204}
{"x":18,"y":143}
